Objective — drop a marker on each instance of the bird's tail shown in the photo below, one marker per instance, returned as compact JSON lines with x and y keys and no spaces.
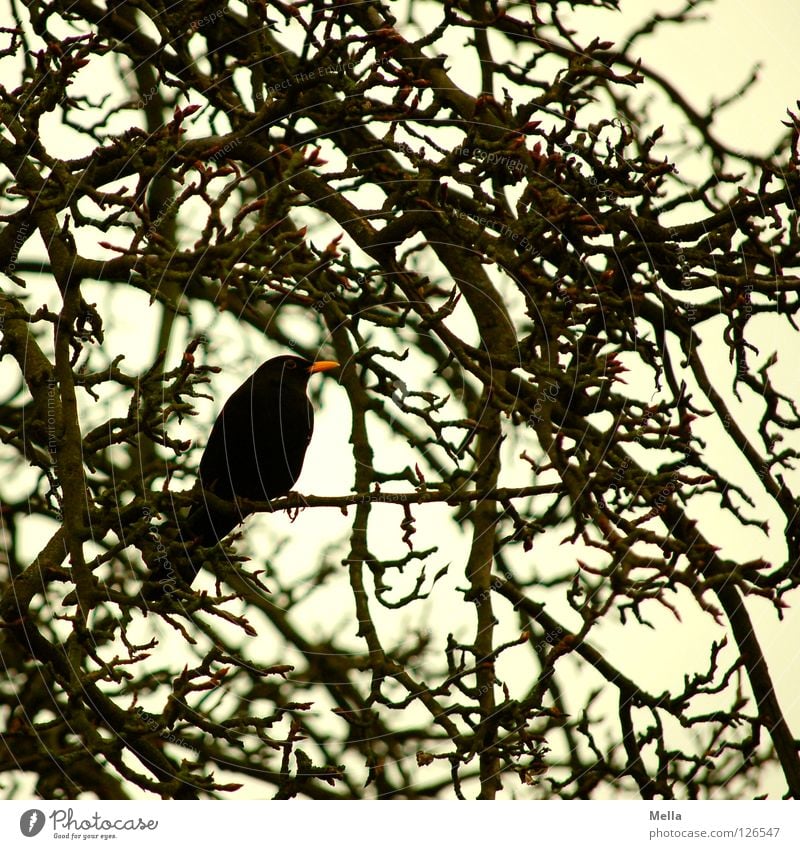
{"x":209,"y":525}
{"x":205,"y":526}
{"x":171,"y":567}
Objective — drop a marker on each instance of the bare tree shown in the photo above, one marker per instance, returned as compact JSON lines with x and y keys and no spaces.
{"x":545,"y":334}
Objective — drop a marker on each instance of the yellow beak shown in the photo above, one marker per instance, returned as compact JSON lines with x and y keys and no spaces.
{"x":322,"y":365}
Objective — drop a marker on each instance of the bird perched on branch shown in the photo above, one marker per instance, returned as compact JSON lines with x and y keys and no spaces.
{"x":255,"y":451}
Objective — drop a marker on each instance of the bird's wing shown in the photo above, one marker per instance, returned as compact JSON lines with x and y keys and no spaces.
{"x":226,"y":449}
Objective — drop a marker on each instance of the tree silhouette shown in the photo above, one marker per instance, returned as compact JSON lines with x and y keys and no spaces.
{"x":569,"y":418}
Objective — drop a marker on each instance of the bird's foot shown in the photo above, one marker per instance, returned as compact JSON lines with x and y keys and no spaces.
{"x":294,"y":512}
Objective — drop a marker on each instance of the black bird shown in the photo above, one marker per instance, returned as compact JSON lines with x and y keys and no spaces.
{"x":255,"y":451}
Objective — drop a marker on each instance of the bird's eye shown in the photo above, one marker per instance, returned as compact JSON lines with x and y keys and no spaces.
{"x":291,"y":364}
